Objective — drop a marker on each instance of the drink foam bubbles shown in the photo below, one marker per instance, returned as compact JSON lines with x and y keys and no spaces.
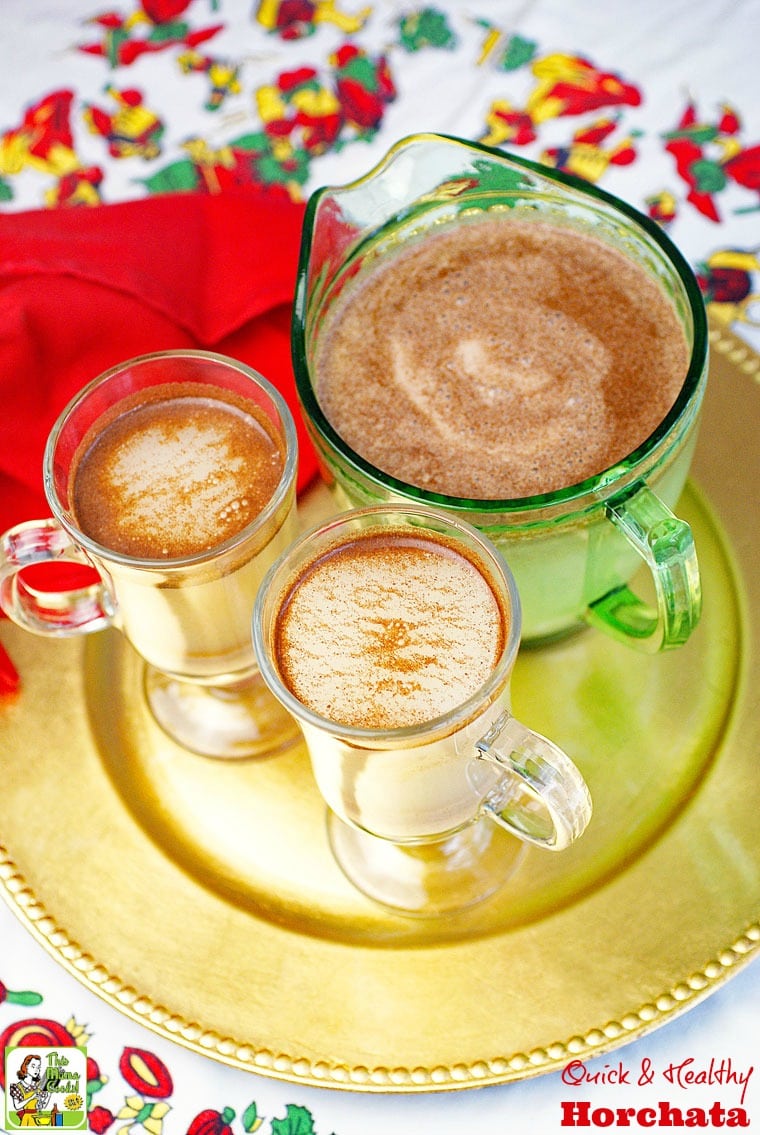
{"x":389,"y":632}
{"x":175,"y":476}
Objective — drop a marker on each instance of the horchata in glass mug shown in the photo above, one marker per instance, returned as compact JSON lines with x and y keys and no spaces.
{"x":505,"y":343}
{"x":390,"y":633}
{"x":173,"y":475}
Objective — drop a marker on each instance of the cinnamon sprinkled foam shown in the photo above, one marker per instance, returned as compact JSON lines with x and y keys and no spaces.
{"x":175,"y":476}
{"x":388,"y":631}
{"x":499,"y":358}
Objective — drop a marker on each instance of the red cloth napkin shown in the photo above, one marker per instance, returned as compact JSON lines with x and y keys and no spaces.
{"x":83,"y":289}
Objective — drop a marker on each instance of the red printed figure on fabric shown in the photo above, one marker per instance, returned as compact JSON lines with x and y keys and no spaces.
{"x":81,"y":187}
{"x":132,"y":130}
{"x":726,"y":280}
{"x":249,"y":160}
{"x":662,"y":207}
{"x":223,"y":76}
{"x":299,"y":111}
{"x":209,"y":170}
{"x":210,"y":1121}
{"x":99,"y":1119}
{"x":710,"y":155}
{"x":154,"y":25}
{"x":295,"y":19}
{"x":364,"y":87}
{"x":96,"y":1081}
{"x":149,"y":1077}
{"x":44,"y":142}
{"x":586,"y":156}
{"x":567,"y":86}
{"x":508,"y":126}
{"x":305,"y":114}
{"x":744,"y":168}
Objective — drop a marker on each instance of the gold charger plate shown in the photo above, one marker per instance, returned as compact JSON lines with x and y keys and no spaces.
{"x":200,"y":898}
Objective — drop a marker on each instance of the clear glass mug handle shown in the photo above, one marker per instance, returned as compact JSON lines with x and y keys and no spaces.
{"x":56,"y":613}
{"x":666,"y":545}
{"x":540,"y":796}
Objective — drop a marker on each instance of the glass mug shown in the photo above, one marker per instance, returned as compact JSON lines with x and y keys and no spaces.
{"x":417,"y":813}
{"x":188,"y":617}
{"x":573,"y":551}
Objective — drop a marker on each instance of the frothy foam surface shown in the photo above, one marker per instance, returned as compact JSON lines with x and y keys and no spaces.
{"x":175,"y":475}
{"x":500,"y":358}
{"x":389,"y":630}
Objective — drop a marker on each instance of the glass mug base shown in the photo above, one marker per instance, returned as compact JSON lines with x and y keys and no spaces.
{"x":445,"y":875}
{"x":236,"y":722}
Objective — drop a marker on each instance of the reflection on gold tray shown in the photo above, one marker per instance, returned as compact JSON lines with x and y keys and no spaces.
{"x":200,"y":898}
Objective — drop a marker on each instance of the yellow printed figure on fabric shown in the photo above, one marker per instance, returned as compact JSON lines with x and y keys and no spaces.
{"x":132,"y":130}
{"x":726,"y":280}
{"x":587,"y":155}
{"x":43,"y":142}
{"x":508,"y":124}
{"x":210,"y":163}
{"x":567,"y":86}
{"x":223,"y":76}
{"x":299,"y":110}
{"x":294,"y":19}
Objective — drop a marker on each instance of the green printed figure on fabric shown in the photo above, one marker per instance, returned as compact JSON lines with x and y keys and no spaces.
{"x":505,"y":51}
{"x":248,"y":160}
{"x":427,"y":27}
{"x":153,"y":26}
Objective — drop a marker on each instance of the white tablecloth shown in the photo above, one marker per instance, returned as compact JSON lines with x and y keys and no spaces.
{"x":720,"y":1033}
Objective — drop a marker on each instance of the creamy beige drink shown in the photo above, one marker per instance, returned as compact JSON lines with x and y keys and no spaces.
{"x":390,"y":634}
{"x":389,"y":631}
{"x":173,"y":472}
{"x":386,"y":630}
{"x":173,"y":476}
{"x":499,"y":358}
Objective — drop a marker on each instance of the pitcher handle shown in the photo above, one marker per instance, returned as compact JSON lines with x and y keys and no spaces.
{"x":54,"y":613}
{"x":666,"y":545}
{"x":540,"y":796}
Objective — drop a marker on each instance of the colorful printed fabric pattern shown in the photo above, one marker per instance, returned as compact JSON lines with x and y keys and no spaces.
{"x":163,"y":96}
{"x":138,"y":1095}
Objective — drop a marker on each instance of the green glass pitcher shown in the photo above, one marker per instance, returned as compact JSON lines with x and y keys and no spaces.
{"x":574,"y":551}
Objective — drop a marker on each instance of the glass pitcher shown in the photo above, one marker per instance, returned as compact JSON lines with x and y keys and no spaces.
{"x":573,"y":551}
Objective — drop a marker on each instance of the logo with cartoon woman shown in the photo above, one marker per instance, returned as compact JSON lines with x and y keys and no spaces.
{"x":45,"y":1087}
{"x":30,"y":1096}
